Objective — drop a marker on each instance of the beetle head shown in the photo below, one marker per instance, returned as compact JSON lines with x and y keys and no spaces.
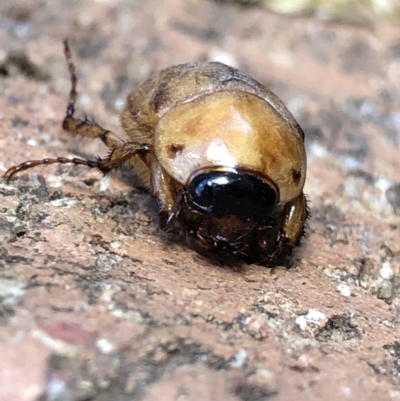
{"x":235,"y":201}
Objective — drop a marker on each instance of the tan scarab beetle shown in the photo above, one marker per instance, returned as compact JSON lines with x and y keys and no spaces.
{"x":219,"y":151}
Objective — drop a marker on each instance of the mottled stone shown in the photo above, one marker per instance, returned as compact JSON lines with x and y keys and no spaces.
{"x":97,"y":303}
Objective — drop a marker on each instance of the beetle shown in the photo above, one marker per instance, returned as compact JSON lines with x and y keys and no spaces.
{"x":218,"y":150}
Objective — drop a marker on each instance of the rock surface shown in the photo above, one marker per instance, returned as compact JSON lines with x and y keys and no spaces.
{"x":97,"y":304}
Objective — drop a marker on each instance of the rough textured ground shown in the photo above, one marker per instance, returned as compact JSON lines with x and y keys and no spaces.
{"x":96,"y":304}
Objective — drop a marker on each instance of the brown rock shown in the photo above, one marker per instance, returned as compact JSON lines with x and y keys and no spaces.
{"x":22,"y":368}
{"x":96,"y":303}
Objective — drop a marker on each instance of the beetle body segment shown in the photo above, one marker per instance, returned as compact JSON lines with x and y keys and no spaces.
{"x":231,"y":129}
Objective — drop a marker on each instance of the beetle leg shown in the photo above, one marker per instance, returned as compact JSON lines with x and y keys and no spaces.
{"x":284,"y":247}
{"x":84,"y":127}
{"x":168,"y":197}
{"x":243,"y":250}
{"x":295,"y":214}
{"x":176,"y":208}
{"x":114,"y":160}
{"x":204,"y":240}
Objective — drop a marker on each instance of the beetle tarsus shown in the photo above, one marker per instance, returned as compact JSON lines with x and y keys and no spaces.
{"x":74,"y":80}
{"x":85,"y":126}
